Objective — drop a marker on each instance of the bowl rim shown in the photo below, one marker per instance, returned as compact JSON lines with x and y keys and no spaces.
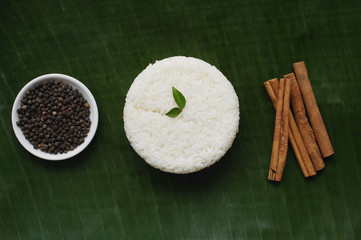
{"x":94,"y":116}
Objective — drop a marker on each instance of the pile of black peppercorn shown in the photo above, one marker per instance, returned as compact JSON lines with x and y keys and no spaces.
{"x":54,"y":117}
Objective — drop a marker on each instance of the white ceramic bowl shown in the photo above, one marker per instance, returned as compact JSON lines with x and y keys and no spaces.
{"x":76,"y":85}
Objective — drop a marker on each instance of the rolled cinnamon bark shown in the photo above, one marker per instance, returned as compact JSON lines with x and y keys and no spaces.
{"x":303,"y":124}
{"x":314,"y":114}
{"x":277,"y":133}
{"x":284,"y":133}
{"x":303,"y":159}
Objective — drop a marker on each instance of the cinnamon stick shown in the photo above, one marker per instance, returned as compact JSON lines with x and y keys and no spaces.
{"x":280,"y":136}
{"x":314,"y":114}
{"x":303,"y":159}
{"x":284,"y":132}
{"x":277,"y":134}
{"x":303,"y":124}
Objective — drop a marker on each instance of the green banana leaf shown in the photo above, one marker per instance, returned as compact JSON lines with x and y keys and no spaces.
{"x":109,"y":192}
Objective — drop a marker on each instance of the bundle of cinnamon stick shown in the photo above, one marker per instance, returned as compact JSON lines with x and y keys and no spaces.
{"x":306,"y":132}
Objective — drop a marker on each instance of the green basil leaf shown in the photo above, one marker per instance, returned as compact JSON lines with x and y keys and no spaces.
{"x":174,"y":112}
{"x":179,"y":98}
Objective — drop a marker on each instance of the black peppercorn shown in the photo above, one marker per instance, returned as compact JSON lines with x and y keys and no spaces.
{"x":50,"y":116}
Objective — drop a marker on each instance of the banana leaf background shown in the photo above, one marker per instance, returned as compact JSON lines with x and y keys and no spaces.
{"x":109,"y":192}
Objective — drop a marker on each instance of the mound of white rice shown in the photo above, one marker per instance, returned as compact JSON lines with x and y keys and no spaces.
{"x":201,"y":134}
